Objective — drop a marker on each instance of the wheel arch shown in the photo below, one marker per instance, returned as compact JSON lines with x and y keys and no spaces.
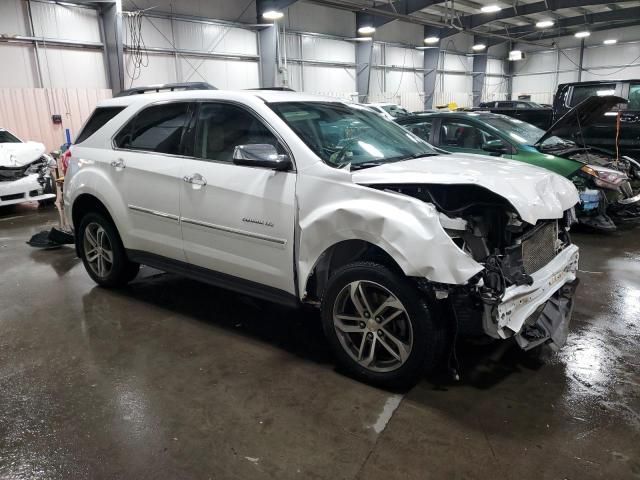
{"x":339,"y":254}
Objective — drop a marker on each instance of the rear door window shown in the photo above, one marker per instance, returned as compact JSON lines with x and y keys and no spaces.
{"x":634,"y":97}
{"x":463,"y":134}
{"x":421,"y":128}
{"x":158,"y":128}
{"x":98,"y":118}
{"x":582,"y":92}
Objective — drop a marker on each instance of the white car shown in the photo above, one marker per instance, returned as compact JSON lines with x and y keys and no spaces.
{"x":300,"y":199}
{"x":25,"y":171}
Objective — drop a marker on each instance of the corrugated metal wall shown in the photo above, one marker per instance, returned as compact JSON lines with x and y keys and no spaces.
{"x":27,"y":111}
{"x":195,"y":37}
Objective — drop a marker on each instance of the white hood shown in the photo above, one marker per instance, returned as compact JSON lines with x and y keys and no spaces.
{"x":534,"y":192}
{"x":20,"y":154}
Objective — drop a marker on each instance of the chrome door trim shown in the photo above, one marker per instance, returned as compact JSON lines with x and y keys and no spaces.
{"x":157,"y":213}
{"x":213,"y":226}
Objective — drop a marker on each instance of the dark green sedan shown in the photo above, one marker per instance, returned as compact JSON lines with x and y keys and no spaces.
{"x":603,"y":184}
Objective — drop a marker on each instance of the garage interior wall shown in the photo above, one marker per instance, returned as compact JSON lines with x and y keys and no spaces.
{"x":199,"y":40}
{"x":45,"y":80}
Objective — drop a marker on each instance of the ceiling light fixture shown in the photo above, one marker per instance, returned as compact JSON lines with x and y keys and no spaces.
{"x":479,"y":47}
{"x":272,"y":15}
{"x":366,"y":30}
{"x":544,"y":24}
{"x":582,"y":34}
{"x":431,"y":40}
{"x":610,"y":41}
{"x":490,"y":9}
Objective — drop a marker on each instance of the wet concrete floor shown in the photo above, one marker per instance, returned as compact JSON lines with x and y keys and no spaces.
{"x":174,"y":379}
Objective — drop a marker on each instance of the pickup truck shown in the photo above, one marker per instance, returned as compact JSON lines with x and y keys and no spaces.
{"x":602,"y":133}
{"x":530,"y":112}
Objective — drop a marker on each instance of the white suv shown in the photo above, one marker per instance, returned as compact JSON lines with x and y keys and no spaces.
{"x":299,"y":199}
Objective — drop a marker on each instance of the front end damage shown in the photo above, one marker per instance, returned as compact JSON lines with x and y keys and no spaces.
{"x":526,"y":288}
{"x":28,"y":181}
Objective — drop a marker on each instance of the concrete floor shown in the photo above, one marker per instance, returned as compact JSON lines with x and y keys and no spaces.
{"x":174,"y":379}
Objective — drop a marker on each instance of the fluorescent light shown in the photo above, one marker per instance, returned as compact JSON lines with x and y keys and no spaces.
{"x":602,"y":93}
{"x":272,"y":15}
{"x":515,"y":55}
{"x":431,"y":40}
{"x":478,"y":47}
{"x":490,"y":9}
{"x":544,"y":24}
{"x":368,"y":30}
{"x":582,"y":34}
{"x":610,"y":41}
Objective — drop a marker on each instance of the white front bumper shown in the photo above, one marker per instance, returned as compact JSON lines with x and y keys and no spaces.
{"x":18,"y":191}
{"x":521,"y":301}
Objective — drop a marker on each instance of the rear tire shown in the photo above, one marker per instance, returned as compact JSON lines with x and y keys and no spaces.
{"x":101,"y":250}
{"x":380,"y":326}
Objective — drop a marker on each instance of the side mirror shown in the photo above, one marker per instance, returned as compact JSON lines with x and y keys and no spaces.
{"x":261,"y":155}
{"x":497,"y":147}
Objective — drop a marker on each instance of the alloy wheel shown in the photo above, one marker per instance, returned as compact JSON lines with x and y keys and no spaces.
{"x":98,"y":249}
{"x":373,"y":326}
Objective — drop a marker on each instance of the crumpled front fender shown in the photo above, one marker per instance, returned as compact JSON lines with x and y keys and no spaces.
{"x":404,"y":227}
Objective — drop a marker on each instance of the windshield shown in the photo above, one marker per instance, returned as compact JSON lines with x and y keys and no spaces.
{"x":6,"y":137}
{"x":342,"y":134}
{"x":522,"y":132}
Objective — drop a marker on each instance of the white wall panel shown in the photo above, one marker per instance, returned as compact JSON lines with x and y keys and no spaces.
{"x":223,"y":74}
{"x":239,"y":11}
{"x":495,"y":66}
{"x":13,"y":18}
{"x":160,"y":69}
{"x":404,"y":81}
{"x":457,"y":63}
{"x":23,"y":71}
{"x":152,"y":29}
{"x":407,"y":57}
{"x":292,"y":44}
{"x":613,"y":73}
{"x":612,"y":55}
{"x":329,"y":79}
{"x":62,"y":21}
{"x":72,"y":68}
{"x":328,"y":50}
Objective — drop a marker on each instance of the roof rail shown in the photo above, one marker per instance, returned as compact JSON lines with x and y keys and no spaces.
{"x":166,"y":86}
{"x":277,"y":89}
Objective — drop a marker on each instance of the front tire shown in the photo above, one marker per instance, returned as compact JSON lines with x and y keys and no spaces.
{"x":380,"y":326}
{"x":102,"y":252}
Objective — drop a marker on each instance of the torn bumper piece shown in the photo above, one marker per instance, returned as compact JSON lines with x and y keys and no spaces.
{"x":539,"y":312}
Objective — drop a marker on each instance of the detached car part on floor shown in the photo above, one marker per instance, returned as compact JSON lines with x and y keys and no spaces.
{"x":25,"y":171}
{"x":608,"y":186}
{"x":301,"y":199}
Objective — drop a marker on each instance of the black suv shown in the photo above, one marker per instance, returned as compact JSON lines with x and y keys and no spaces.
{"x":602,"y":133}
{"x":526,"y":111}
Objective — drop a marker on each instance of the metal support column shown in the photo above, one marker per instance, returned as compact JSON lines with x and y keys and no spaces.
{"x":580,"y":63}
{"x":430,"y":64}
{"x":111,"y":17}
{"x":479,"y":73}
{"x":269,"y":56}
{"x":364,"y":58}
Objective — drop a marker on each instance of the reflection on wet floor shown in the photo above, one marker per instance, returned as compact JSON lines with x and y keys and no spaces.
{"x":172,"y":378}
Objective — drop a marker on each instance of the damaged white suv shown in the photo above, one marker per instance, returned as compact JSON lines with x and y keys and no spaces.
{"x":299,"y":199}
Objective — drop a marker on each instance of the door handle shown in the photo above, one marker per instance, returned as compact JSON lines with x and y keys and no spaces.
{"x":196,"y":180}
{"x":118,"y":164}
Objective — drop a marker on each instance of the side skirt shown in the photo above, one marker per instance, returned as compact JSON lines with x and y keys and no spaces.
{"x":216,"y":279}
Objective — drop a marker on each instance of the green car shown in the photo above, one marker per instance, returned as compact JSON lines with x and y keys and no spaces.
{"x":606,"y":193}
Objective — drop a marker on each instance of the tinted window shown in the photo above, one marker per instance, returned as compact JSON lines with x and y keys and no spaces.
{"x":222,"y":127}
{"x":158,"y":128}
{"x":634,"y":97}
{"x":581,"y":92}
{"x":6,"y":137}
{"x":462,"y":134}
{"x":98,"y":118}
{"x":421,"y":128}
{"x":505,"y":105}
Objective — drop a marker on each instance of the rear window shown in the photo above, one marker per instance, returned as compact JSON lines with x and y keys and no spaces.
{"x":98,"y":118}
{"x":582,"y":92}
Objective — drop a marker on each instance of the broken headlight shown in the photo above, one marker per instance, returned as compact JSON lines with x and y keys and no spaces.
{"x":604,"y":177}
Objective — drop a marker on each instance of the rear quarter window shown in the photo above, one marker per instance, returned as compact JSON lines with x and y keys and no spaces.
{"x":98,"y":118}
